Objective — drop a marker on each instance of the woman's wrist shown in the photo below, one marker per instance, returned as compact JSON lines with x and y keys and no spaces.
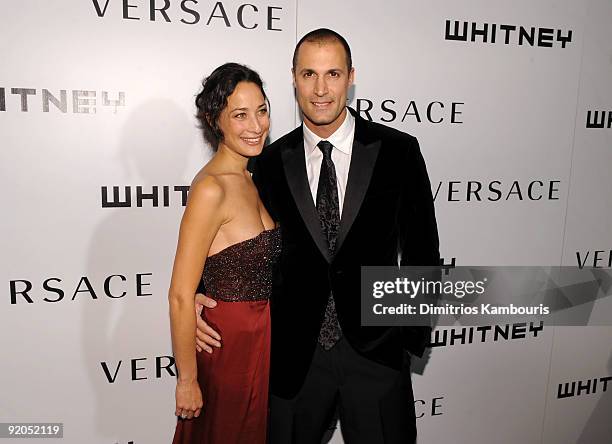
{"x":187,"y":379}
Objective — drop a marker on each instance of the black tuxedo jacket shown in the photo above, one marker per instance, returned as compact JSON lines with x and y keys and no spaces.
{"x":388,"y":209}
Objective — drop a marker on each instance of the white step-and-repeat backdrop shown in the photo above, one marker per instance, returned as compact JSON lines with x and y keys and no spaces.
{"x":511,"y":103}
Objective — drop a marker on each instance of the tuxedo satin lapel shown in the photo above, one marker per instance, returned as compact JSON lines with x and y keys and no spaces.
{"x":363,"y":159}
{"x":294,"y":163}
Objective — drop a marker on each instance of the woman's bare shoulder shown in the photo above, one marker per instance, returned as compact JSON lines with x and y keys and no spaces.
{"x":206,"y":189}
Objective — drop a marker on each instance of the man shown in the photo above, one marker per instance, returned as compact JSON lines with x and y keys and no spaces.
{"x":347,"y":193}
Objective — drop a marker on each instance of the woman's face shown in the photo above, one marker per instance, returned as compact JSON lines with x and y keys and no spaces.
{"x":245,"y":121}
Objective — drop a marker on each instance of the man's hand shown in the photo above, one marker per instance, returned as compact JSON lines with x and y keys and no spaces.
{"x":206,"y":337}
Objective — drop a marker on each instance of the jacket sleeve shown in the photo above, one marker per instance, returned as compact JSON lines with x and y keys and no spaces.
{"x":419,"y":243}
{"x":256,"y":169}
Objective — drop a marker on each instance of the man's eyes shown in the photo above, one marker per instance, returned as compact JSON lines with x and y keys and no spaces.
{"x":331,"y":74}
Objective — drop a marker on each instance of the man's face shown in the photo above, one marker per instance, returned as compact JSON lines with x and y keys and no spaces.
{"x":321,"y":79}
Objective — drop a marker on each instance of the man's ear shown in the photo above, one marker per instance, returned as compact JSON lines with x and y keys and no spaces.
{"x":352,"y":76}
{"x":293,"y":76}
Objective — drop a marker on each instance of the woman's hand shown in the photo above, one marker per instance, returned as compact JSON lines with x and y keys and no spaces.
{"x":188,"y":399}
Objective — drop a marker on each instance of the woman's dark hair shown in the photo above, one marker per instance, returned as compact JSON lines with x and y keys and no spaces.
{"x":216,"y":88}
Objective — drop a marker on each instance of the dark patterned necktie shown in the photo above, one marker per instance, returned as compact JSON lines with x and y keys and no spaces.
{"x":328,"y":207}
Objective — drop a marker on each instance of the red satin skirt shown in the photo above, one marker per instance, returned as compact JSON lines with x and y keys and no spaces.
{"x":234,"y":379}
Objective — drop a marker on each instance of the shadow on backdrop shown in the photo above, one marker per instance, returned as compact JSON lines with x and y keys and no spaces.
{"x":155,"y":146}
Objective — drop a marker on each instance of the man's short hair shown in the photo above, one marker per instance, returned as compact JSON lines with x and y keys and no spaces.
{"x":321,"y":36}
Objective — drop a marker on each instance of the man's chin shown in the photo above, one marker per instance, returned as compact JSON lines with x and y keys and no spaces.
{"x":319,"y":120}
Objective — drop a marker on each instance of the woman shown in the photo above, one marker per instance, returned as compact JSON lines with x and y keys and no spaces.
{"x":228,"y":241}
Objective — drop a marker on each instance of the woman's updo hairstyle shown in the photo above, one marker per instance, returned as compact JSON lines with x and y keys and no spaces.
{"x":212,"y":100}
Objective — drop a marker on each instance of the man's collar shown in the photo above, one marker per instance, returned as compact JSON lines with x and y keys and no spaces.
{"x":337,"y":139}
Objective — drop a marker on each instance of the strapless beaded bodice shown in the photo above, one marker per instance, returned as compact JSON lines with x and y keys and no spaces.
{"x":243,"y":272}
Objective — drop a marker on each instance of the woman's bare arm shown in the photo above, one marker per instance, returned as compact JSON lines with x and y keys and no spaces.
{"x":201,"y":221}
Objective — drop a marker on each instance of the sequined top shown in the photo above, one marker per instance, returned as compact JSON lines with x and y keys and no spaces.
{"x":242,"y":272}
